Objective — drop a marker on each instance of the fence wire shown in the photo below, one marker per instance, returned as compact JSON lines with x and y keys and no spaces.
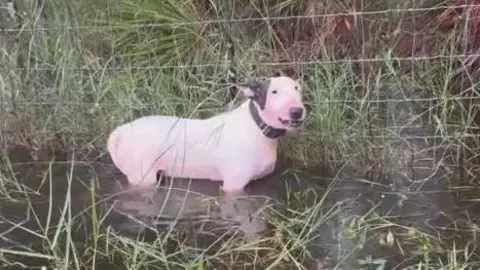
{"x":465,"y":59}
{"x":240,"y":20}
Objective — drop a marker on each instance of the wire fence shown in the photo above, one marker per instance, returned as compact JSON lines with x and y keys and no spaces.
{"x":240,"y":20}
{"x":465,"y":63}
{"x":464,"y":57}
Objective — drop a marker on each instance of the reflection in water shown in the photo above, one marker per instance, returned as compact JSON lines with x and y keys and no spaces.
{"x":194,"y":206}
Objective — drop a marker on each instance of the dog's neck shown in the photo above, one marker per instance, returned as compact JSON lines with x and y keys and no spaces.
{"x":267,"y":130}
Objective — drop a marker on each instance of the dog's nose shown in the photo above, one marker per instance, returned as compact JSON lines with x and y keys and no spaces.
{"x":296,"y":113}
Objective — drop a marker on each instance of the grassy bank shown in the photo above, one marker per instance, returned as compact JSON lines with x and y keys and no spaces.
{"x":71,"y":72}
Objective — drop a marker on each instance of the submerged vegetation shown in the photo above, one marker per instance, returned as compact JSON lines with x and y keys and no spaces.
{"x":390,"y":148}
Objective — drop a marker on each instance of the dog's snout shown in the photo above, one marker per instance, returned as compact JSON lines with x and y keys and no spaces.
{"x":296,"y":113}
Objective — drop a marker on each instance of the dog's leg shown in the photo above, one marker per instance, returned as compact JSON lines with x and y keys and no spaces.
{"x":139,"y":178}
{"x":148,"y":172}
{"x":229,"y":203}
{"x":241,"y":210}
{"x":232,"y":188}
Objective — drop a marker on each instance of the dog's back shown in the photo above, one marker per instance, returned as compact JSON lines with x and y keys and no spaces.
{"x":178,"y":146}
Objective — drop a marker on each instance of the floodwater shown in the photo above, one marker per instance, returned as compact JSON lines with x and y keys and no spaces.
{"x":193,"y":204}
{"x":425,"y":205}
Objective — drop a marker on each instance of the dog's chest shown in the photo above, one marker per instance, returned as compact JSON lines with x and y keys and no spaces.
{"x":264,"y":168}
{"x":264,"y":161}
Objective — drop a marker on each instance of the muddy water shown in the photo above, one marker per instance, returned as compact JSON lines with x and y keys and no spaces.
{"x":193,"y":205}
{"x":426,"y":206}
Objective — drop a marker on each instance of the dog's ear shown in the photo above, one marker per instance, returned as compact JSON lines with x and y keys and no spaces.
{"x":299,"y":81}
{"x":298,"y":85}
{"x":299,"y":78}
{"x":248,"y":89}
{"x":254,"y":89}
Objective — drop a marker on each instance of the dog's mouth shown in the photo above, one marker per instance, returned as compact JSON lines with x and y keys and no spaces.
{"x":291,"y":123}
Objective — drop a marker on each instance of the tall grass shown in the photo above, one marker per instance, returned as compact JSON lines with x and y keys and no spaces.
{"x":64,"y":86}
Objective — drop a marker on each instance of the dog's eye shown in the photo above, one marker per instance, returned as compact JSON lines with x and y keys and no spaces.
{"x":296,"y":88}
{"x":274,"y":92}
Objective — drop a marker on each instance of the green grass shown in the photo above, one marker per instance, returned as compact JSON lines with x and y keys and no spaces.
{"x":63,"y":88}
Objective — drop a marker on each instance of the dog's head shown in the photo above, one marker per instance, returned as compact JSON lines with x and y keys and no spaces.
{"x":278,"y":101}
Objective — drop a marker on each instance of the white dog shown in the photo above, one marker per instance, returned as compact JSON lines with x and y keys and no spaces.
{"x":234,"y":147}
